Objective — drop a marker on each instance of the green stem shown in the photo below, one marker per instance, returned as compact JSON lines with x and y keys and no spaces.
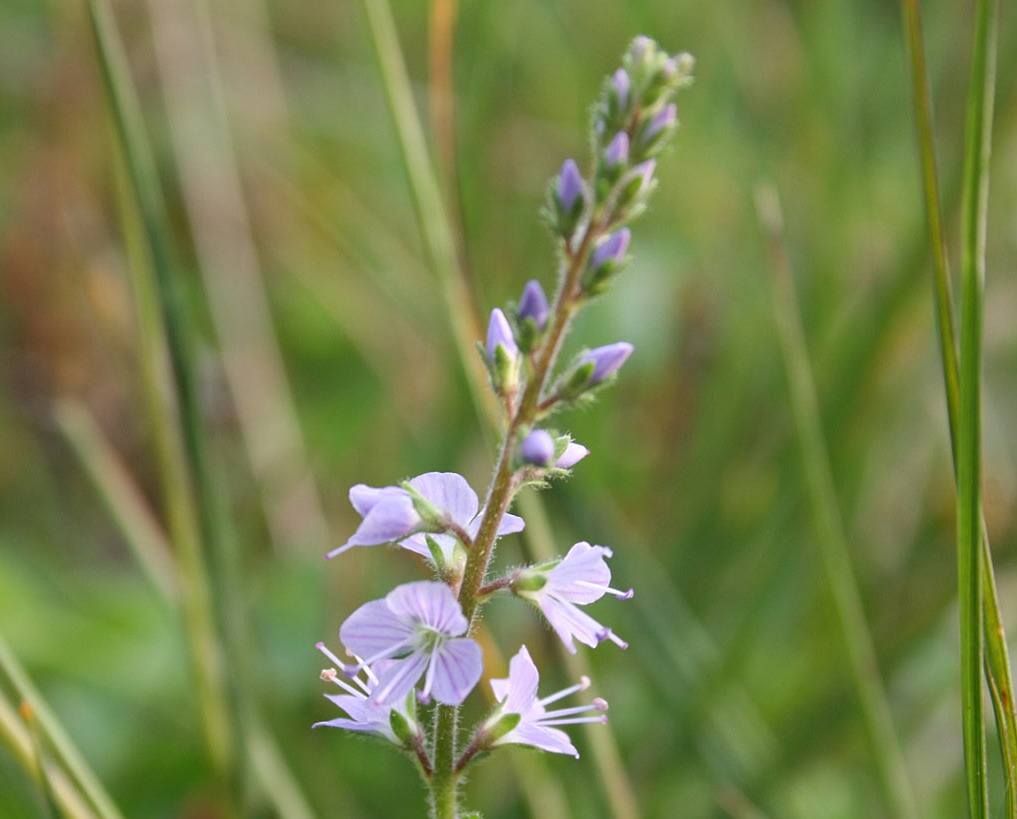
{"x":969,"y":522}
{"x":998,"y":672}
{"x":444,"y":781}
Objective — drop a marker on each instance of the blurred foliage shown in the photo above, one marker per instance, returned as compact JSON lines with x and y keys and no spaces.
{"x":734,"y":698}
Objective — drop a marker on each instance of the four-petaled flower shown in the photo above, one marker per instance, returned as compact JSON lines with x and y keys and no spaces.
{"x":364,"y":715}
{"x":391,"y":517}
{"x":518,"y":695}
{"x":579,"y":578}
{"x":420,"y":626}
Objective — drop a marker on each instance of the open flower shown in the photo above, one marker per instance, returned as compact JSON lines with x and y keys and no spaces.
{"x":518,"y":695}
{"x":558,"y":589}
{"x":417,"y":625}
{"x":364,"y":715}
{"x":390,"y":515}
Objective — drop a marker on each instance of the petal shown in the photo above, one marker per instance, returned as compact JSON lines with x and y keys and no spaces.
{"x":546,"y":739}
{"x":500,"y":688}
{"x":429,"y":603}
{"x":522,"y":683}
{"x":390,"y":518}
{"x":583,"y":564}
{"x":365,"y":497}
{"x":458,"y":665}
{"x":510,"y":524}
{"x":375,"y":629}
{"x":569,"y":622}
{"x":397,"y":682}
{"x":450,"y":492}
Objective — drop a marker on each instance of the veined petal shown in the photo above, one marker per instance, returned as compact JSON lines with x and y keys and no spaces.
{"x":510,"y":524}
{"x":584,"y":564}
{"x":448,"y":491}
{"x":521,"y":690}
{"x":546,"y":739}
{"x":364,"y":497}
{"x":429,"y":603}
{"x":569,"y":622}
{"x":374,"y":629}
{"x":458,"y":666}
{"x":397,"y":682}
{"x":391,"y":517}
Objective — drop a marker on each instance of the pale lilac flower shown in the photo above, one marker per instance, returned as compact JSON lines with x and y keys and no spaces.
{"x":451,"y":492}
{"x":533,"y":304}
{"x":663,"y":119}
{"x":611,"y":248}
{"x":364,"y":715}
{"x":390,"y":516}
{"x":644,"y":173}
{"x":620,"y":84}
{"x":578,"y":579}
{"x":518,"y":695}
{"x":572,"y":455}
{"x":500,"y":332}
{"x":617,"y":152}
{"x":537,"y":448}
{"x":417,"y":624}
{"x":607,"y":359}
{"x":570,"y":185}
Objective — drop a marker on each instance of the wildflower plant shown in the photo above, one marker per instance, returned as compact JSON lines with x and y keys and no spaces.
{"x":411,"y":660}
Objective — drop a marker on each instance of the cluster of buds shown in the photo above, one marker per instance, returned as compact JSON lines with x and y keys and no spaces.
{"x":413,"y":647}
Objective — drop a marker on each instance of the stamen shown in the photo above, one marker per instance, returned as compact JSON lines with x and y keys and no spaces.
{"x":572,"y":689}
{"x":607,"y":634}
{"x":564,"y":712}
{"x":325,"y":650}
{"x":330,"y":675}
{"x":600,"y":704}
{"x":621,"y":595}
{"x":573,"y":721}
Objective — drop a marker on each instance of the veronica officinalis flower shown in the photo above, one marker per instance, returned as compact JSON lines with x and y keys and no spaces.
{"x":522,"y":719}
{"x":607,"y":259}
{"x":572,"y":455}
{"x":559,"y":588}
{"x":420,"y":625}
{"x":394,"y":721}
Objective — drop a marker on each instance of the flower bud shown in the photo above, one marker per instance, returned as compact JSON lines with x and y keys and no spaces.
{"x":607,"y":259}
{"x":607,"y":360}
{"x":502,"y":354}
{"x":654,"y":133}
{"x":533,"y":305}
{"x":569,"y":198}
{"x":572,"y":455}
{"x":635,"y":190}
{"x":617,"y":153}
{"x":537,"y":448}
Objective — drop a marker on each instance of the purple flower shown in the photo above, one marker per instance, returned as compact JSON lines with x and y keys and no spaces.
{"x":500,"y":332}
{"x":533,"y":304}
{"x":607,"y":359}
{"x":620,"y":85}
{"x":572,"y":455}
{"x":663,"y":119}
{"x":390,"y":516}
{"x":570,"y":185}
{"x":518,"y":695}
{"x":644,"y":173}
{"x":537,"y":448}
{"x":617,"y":152}
{"x":451,"y":492}
{"x":580,"y":578}
{"x":364,"y":716}
{"x":612,"y":248}
{"x":417,"y":625}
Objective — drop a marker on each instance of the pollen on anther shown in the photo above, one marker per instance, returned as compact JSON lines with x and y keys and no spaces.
{"x":600,"y":704}
{"x":584,"y":683}
{"x":328,"y":674}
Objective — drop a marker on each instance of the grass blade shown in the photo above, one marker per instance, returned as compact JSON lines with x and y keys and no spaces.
{"x":67,"y":753}
{"x":176,"y":437}
{"x":969,"y":522}
{"x":998,"y":672}
{"x":830,"y":536}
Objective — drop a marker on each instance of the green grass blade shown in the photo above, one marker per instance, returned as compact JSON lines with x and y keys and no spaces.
{"x":998,"y":672}
{"x":67,"y":753}
{"x":830,"y":537}
{"x":176,"y":437}
{"x":969,"y":528}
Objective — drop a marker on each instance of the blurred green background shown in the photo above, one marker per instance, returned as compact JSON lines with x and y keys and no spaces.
{"x":327,"y":358}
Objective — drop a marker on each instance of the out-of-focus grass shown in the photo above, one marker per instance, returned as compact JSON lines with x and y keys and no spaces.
{"x":734,"y":698}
